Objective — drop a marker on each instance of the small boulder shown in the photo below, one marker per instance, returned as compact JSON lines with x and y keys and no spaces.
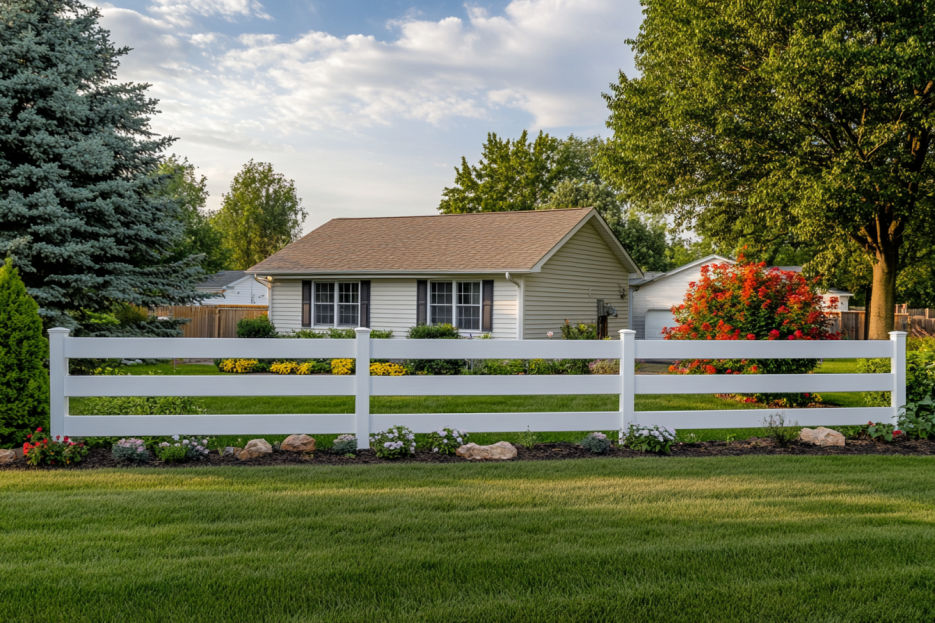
{"x":230,"y":451}
{"x":821,"y":436}
{"x":298,"y":443}
{"x":499,"y":451}
{"x":255,"y":448}
{"x":7,"y":456}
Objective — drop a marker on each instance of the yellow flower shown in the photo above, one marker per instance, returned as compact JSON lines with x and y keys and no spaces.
{"x":387,"y":369}
{"x":342,"y":366}
{"x":284,"y":367}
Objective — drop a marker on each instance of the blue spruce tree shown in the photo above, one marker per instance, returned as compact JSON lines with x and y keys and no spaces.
{"x":80,"y":211}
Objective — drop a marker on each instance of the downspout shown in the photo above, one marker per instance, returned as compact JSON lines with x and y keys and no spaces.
{"x":520,"y":300}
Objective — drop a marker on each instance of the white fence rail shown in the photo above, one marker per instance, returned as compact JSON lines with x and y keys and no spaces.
{"x":362,"y":386}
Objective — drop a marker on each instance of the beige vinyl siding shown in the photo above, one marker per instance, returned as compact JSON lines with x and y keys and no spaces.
{"x":285,"y":308}
{"x":393,"y":303}
{"x":583,"y":270}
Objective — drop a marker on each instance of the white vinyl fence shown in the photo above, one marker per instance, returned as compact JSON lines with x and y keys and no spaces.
{"x":627,"y":384}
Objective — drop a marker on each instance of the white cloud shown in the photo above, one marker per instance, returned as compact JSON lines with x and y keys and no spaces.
{"x":362,"y":122}
{"x":180,"y":11}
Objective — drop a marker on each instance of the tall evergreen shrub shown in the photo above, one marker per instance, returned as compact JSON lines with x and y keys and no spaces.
{"x":24,"y":381}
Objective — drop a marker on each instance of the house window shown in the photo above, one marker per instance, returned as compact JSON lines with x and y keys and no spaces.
{"x":457,"y":303}
{"x":441,"y":303}
{"x":468,"y":307}
{"x":324,"y":304}
{"x":348,"y":304}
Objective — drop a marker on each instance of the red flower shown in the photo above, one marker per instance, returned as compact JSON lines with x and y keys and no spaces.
{"x":750,"y":336}
{"x":39,"y":430}
{"x":897,"y":432}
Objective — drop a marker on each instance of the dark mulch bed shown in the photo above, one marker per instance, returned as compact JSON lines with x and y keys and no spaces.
{"x":101,"y":457}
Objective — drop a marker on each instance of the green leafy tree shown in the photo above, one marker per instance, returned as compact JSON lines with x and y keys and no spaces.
{"x":261,"y":214}
{"x":182,"y":184}
{"x":804,"y":119}
{"x":511,"y":175}
{"x":24,"y":381}
{"x":78,"y":211}
{"x":644,"y":240}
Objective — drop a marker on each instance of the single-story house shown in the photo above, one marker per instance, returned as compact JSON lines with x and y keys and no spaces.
{"x":510,"y":274}
{"x":653,"y":296}
{"x":235,"y":287}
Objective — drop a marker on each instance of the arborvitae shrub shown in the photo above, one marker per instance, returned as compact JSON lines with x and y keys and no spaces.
{"x":24,"y":381}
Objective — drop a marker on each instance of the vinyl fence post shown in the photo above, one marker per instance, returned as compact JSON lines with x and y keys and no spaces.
{"x":898,"y":368}
{"x":362,"y":400}
{"x":627,"y":380}
{"x":58,"y":370}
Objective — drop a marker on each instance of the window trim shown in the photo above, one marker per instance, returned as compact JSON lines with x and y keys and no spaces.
{"x":335,"y":303}
{"x":455,"y":305}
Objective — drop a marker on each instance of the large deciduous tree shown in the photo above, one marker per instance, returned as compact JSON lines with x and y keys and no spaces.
{"x":549,"y":174}
{"x":182,"y":184}
{"x":78,"y":212}
{"x":260,"y":215}
{"x":809,"y":119}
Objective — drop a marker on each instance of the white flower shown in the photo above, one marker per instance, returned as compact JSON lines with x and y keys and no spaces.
{"x":164,"y":444}
{"x":185,"y":442}
{"x":434,"y":449}
{"x":459,"y":440}
{"x":175,"y":437}
{"x":388,"y":444}
{"x":442,"y":432}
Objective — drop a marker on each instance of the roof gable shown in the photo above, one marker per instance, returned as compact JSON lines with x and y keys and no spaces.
{"x":459,"y":243}
{"x":705,"y":260}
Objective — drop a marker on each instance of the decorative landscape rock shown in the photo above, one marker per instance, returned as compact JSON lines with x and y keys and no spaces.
{"x":7,"y":456}
{"x":230,"y":450}
{"x":298,"y":443}
{"x":822,"y":436}
{"x":499,"y":451}
{"x":255,"y":448}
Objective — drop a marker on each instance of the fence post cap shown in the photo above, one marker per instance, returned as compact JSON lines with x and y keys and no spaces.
{"x":896,"y":334}
{"x":361,"y":330}
{"x":627,"y":332}
{"x":59,"y":330}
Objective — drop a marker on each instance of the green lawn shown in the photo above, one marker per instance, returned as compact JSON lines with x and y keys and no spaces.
{"x":782,"y":539}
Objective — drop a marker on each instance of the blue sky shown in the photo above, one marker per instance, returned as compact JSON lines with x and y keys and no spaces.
{"x":368,"y":105}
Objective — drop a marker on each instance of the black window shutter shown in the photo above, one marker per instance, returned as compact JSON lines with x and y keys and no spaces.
{"x":306,"y":303}
{"x":365,"y":304}
{"x":422,"y":301}
{"x":486,"y":322}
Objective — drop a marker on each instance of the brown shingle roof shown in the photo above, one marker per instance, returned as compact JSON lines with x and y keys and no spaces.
{"x":490,"y":241}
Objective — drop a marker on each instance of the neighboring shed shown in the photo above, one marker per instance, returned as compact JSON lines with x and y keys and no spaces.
{"x":509,"y":274}
{"x":653,"y":297}
{"x":235,"y":287}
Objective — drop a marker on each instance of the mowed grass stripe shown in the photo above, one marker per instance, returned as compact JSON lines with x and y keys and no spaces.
{"x":725,"y":539}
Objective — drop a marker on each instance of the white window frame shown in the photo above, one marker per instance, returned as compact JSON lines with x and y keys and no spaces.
{"x":335,"y":304}
{"x":455,"y":304}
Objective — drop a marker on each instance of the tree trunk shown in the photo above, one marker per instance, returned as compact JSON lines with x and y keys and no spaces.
{"x":882,"y":309}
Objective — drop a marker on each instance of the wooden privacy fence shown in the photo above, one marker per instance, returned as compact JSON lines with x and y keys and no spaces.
{"x":211,"y":321}
{"x":362,"y":386}
{"x":851,"y":323}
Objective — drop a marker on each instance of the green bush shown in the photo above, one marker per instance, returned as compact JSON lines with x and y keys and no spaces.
{"x":658,"y":439}
{"x":142,"y":405}
{"x":435,"y":366}
{"x":579,"y":331}
{"x":126,"y":313}
{"x":340,"y":334}
{"x":598,"y":443}
{"x":24,"y":381}
{"x":259,"y":327}
{"x":345,"y":444}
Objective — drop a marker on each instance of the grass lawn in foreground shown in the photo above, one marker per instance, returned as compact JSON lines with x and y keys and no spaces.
{"x":720,"y":539}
